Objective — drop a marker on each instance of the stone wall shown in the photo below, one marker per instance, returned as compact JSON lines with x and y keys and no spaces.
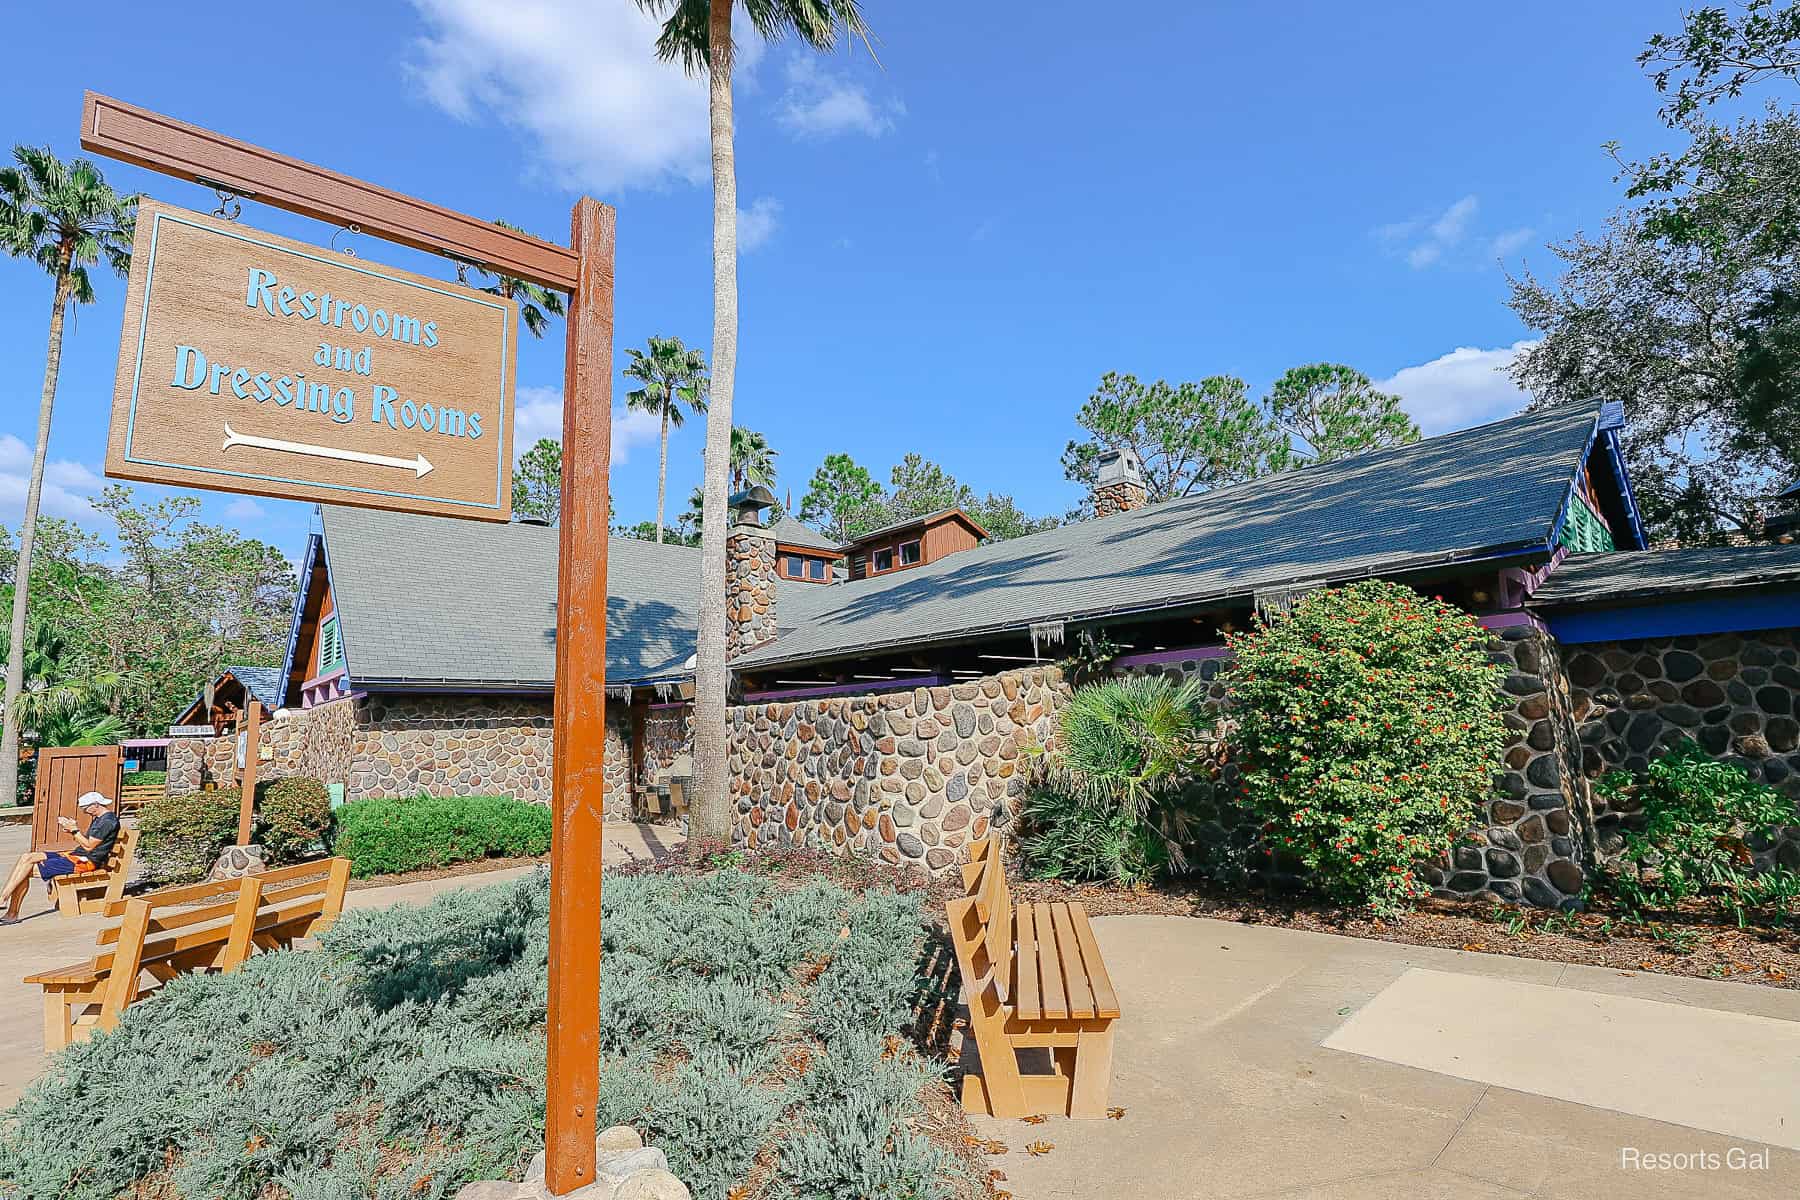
{"x":909,"y":776}
{"x":316,"y":743}
{"x":1736,"y":694}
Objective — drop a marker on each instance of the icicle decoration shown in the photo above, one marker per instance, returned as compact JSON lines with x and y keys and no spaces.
{"x":1051,"y":632}
{"x":1280,"y":601}
{"x":664,"y":690}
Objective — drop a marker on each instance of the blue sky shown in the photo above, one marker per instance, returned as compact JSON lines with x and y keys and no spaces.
{"x":943,"y":251}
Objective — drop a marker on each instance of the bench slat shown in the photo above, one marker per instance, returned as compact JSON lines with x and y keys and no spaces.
{"x":1050,"y":971}
{"x":1026,"y":998}
{"x":1075,"y":972}
{"x":1106,"y":1001}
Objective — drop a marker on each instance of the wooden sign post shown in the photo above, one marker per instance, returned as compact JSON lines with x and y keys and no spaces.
{"x":585,"y":270}
{"x":250,"y":737}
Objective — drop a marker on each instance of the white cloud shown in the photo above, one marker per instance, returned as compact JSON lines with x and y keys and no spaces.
{"x":1465,"y":387}
{"x":580,"y":79}
{"x":821,"y":104}
{"x":243,"y":508}
{"x":67,"y":484}
{"x":538,"y":413}
{"x":1510,"y":242}
{"x":757,"y":224}
{"x":1428,"y":240}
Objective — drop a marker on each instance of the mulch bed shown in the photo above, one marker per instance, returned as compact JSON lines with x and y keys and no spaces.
{"x":479,"y":866}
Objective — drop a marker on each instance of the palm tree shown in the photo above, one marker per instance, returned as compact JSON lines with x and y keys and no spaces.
{"x":697,"y":34}
{"x":64,"y":218}
{"x":51,"y":687}
{"x":536,"y":304}
{"x":672,"y":376}
{"x":752,"y":460}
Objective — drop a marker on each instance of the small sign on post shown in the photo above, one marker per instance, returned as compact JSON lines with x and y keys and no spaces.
{"x":252,"y":363}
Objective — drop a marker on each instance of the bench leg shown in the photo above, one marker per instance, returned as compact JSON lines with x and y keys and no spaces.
{"x":68,"y":901}
{"x":1093,"y":1075}
{"x":56,"y":1020}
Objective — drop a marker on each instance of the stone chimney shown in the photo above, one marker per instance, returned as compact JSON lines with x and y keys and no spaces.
{"x":1120,"y":484}
{"x":749,"y":574}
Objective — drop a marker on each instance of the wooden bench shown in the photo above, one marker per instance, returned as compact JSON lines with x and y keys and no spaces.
{"x":1035,"y":982}
{"x":133,"y":796}
{"x":92,"y":891}
{"x":202,"y":927}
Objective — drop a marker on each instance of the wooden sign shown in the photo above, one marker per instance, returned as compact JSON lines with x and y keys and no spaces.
{"x":252,"y":363}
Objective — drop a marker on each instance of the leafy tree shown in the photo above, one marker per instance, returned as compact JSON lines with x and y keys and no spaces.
{"x":55,"y":688}
{"x":1716,"y":55}
{"x":843,"y":499}
{"x":674,"y":380}
{"x":1004,"y":520}
{"x":1331,"y":411}
{"x":752,"y":459}
{"x":1191,"y":437}
{"x":66,"y":219}
{"x":1662,"y":310}
{"x":164,"y":606}
{"x":537,"y":481}
{"x":536,"y":304}
{"x":697,"y":33}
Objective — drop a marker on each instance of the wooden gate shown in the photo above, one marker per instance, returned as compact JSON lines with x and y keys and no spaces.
{"x":64,"y":773}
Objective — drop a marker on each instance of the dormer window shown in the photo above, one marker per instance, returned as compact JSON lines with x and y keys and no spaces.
{"x":909,"y":553}
{"x":816,"y":567}
{"x":882,"y":560}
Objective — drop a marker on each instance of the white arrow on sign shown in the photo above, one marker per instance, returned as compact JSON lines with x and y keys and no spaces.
{"x":419,"y":465}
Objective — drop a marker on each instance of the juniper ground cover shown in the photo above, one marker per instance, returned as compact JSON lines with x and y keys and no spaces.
{"x":748,"y":1029}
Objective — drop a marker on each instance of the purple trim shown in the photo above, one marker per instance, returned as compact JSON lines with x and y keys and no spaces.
{"x":671,"y":704}
{"x":1168,"y":656}
{"x":845,"y":689}
{"x":1510,"y":620}
{"x":146,"y":743}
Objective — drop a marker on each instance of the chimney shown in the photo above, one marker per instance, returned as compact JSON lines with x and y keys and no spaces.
{"x":749,"y":574}
{"x":1120,"y":485}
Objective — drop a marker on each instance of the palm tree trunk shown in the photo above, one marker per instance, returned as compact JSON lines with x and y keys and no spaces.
{"x":15,"y":655}
{"x":662,"y":474}
{"x":710,"y":810}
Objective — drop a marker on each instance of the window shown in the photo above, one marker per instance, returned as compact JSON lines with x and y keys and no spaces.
{"x":882,"y":560}
{"x":909,"y":553}
{"x":817,"y":566}
{"x":331,"y":646}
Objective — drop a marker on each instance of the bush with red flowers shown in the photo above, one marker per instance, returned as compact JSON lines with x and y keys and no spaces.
{"x":1369,"y":731}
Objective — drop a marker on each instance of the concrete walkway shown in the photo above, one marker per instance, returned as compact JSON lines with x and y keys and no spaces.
{"x":1227,"y":1067}
{"x":44,"y":939}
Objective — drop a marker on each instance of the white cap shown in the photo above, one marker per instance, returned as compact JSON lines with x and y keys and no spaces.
{"x":93,"y":800}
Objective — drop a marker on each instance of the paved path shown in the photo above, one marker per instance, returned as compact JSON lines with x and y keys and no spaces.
{"x":45,"y":940}
{"x":1231,"y":1089}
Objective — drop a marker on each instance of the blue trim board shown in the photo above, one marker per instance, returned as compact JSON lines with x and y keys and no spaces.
{"x":1717,"y":614}
{"x":313,"y":541}
{"x":1640,"y":538}
{"x":360,"y":268}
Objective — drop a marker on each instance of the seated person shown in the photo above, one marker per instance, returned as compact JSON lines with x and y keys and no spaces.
{"x":92,"y":850}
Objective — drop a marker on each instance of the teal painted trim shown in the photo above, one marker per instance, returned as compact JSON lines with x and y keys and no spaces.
{"x":138,"y":371}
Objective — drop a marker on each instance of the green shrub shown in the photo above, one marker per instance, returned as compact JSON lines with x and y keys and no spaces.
{"x":1115,"y":803}
{"x":1369,"y":731}
{"x":182,"y":836}
{"x":1699,"y":818}
{"x":405,"y":1058}
{"x":383,"y":837}
{"x":146,"y":778}
{"x":1068,"y":837}
{"x":293,"y":819}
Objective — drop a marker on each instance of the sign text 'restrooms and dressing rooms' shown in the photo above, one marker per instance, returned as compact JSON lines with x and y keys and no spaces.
{"x":256,"y":364}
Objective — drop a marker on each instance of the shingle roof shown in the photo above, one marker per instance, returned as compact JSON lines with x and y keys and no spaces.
{"x":790,"y":532}
{"x":1486,"y":491}
{"x":437,"y":600}
{"x":425,"y":600}
{"x":1632,"y":575}
{"x":1792,"y":493}
{"x":921,"y":519}
{"x":264,"y":683}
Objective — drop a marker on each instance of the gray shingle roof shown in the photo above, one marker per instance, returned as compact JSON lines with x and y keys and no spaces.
{"x":909,"y":522}
{"x":1633,"y":575}
{"x":792,"y":533}
{"x":426,"y":600}
{"x":1490,"y":490}
{"x":264,"y":683}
